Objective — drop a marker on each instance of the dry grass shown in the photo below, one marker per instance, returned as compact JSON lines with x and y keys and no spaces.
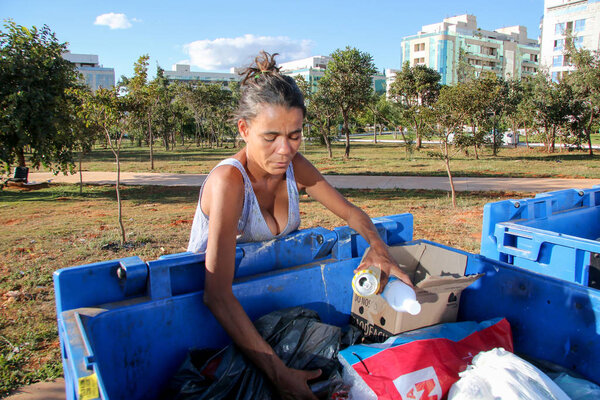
{"x":55,"y":227}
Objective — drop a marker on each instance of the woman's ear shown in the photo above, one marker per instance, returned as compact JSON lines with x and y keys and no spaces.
{"x":243,"y":128}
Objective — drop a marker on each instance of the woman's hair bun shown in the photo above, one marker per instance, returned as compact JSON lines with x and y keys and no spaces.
{"x":264,"y":64}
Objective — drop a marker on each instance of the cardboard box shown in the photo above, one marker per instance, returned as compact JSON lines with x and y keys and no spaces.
{"x":439,"y":277}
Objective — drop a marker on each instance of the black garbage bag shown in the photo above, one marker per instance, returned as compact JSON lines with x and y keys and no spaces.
{"x":297,"y":337}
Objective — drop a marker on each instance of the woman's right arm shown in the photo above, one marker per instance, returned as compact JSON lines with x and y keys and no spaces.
{"x":223,"y":203}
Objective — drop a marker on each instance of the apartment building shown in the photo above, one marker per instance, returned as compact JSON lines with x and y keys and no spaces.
{"x":507,"y":52}
{"x":182,"y":73}
{"x":578,"y":18}
{"x":94,"y":74}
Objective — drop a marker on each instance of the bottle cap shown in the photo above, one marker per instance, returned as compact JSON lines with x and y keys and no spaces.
{"x":412,"y":306}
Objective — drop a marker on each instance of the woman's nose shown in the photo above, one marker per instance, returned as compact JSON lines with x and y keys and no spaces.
{"x":284,"y":146}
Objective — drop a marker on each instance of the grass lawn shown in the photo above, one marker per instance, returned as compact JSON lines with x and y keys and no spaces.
{"x":370,"y":159}
{"x":55,"y":227}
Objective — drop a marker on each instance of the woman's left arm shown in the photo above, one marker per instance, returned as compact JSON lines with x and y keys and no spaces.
{"x":310,"y":179}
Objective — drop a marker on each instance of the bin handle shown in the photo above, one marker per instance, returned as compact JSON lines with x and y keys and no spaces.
{"x":505,"y":232}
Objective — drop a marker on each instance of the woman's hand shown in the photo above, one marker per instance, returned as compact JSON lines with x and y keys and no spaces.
{"x":292,"y":383}
{"x":379,"y":256}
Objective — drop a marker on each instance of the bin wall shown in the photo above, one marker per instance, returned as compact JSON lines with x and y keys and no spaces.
{"x":553,"y":234}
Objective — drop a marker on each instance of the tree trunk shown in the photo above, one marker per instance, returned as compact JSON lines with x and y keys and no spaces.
{"x":117,"y":186}
{"x":21,"y":157}
{"x":150,"y":140}
{"x":588,"y":134}
{"x":418,"y":135}
{"x":347,"y":133}
{"x":447,"y":162}
{"x":553,"y":138}
{"x":526,"y":136}
{"x":80,"y":174}
{"x":473,"y":127}
{"x":326,"y":138}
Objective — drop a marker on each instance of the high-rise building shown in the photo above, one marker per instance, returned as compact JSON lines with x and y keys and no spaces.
{"x":507,"y":52}
{"x":182,"y":72}
{"x":580,"y":19}
{"x":95,"y":75}
{"x":311,"y":69}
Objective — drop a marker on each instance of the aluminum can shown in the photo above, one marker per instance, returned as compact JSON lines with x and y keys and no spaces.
{"x":366,"y":282}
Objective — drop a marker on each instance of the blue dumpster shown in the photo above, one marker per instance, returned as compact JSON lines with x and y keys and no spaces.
{"x":125,"y":339}
{"x":554,"y":233}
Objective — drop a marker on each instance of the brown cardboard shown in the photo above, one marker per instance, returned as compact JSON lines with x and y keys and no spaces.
{"x":438,"y":276}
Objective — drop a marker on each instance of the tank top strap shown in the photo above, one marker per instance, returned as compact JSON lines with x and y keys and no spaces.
{"x":247,"y":188}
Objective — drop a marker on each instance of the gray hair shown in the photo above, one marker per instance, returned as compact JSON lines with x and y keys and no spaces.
{"x":264,"y":84}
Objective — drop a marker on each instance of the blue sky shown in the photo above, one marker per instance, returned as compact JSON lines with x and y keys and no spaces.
{"x":214,"y":35}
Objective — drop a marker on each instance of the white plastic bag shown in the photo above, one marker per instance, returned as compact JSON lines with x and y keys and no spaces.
{"x":499,"y":374}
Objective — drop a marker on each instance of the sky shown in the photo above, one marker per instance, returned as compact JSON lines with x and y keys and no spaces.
{"x":216,"y":35}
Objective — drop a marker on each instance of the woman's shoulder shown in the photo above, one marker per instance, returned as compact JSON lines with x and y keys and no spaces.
{"x":226,"y":173}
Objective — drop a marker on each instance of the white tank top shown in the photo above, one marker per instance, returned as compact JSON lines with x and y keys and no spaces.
{"x":251,"y":224}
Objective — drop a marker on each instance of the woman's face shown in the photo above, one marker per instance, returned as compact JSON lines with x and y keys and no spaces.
{"x":273,"y":137}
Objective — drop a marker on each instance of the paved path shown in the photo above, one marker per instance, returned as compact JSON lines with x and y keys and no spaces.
{"x":339,"y":181}
{"x":41,"y":391}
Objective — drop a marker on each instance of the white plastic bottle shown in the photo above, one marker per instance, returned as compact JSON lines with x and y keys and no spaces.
{"x":401,"y":296}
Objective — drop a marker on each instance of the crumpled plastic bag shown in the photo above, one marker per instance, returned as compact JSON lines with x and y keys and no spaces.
{"x":297,"y":337}
{"x":499,"y":374}
{"x":577,"y":388}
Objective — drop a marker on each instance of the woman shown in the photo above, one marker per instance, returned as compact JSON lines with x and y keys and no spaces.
{"x":253,"y":196}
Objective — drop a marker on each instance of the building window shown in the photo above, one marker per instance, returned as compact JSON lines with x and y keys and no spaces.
{"x":557,"y":61}
{"x":533,"y":57}
{"x":420,"y":47}
{"x":489,"y":51}
{"x":578,"y":42}
{"x":579,"y":25}
{"x":555,"y":76}
{"x":559,"y":44}
{"x":420,"y":60}
{"x":559,"y":29}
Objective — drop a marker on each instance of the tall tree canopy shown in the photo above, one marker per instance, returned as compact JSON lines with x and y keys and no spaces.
{"x":348,"y":82}
{"x":34,"y":111}
{"x":416,"y":89}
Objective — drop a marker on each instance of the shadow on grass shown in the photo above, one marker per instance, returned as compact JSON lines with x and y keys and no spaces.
{"x":142,"y":154}
{"x":142,"y":194}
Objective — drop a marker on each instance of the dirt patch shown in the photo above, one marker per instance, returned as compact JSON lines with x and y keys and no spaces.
{"x":181,"y":222}
{"x":14,"y":221}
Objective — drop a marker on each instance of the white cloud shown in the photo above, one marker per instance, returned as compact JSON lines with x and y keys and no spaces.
{"x":224,"y":53}
{"x":114,"y":21}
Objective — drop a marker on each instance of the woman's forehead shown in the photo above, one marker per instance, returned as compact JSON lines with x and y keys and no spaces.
{"x":274,"y":112}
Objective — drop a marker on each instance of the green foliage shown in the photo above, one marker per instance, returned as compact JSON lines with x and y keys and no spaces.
{"x":34,"y":106}
{"x":415,"y":89}
{"x":347,"y":84}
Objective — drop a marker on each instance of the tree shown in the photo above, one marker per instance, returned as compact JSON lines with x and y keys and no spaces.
{"x":162,"y":112}
{"x":451,"y":112}
{"x":550,"y":105}
{"x":347,"y":83}
{"x":106,"y":110}
{"x":34,"y":107}
{"x":320,"y":110}
{"x":85,"y":130}
{"x":142,"y":102}
{"x":585,"y":83}
{"x":416,"y":88}
{"x":515,"y":94}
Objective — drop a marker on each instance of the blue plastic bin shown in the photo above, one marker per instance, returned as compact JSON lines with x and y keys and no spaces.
{"x":553,"y":234}
{"x":131,"y":338}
